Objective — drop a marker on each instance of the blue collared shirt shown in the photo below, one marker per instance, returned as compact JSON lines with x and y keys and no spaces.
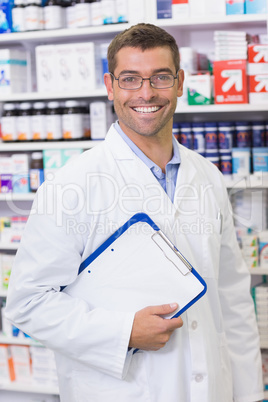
{"x":167,"y":180}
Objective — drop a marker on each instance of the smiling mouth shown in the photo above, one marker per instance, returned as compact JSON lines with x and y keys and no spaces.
{"x":151,"y":109}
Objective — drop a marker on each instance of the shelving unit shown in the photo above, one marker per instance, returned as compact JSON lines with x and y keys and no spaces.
{"x":186,"y":32}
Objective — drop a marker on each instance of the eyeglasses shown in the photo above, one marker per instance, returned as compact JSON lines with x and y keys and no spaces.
{"x":158,"y":81}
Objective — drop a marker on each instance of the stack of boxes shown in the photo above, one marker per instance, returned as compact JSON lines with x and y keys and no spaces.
{"x":258,"y":73}
{"x":68,"y":67}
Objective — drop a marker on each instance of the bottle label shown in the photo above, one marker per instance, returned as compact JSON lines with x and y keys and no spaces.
{"x":53,"y":17}
{"x":36,"y":178}
{"x":72,"y":126}
{"x":24,"y":128}
{"x":9,"y":131}
{"x":18,"y":19}
{"x":39,"y":128}
{"x":82,"y":14}
{"x":33,"y":18}
{"x":53,"y":126}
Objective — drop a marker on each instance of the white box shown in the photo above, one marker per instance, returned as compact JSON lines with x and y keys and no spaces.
{"x":46,"y":68}
{"x":66,"y":67}
{"x":88,"y":69}
{"x":13,"y":71}
{"x":101,"y":118}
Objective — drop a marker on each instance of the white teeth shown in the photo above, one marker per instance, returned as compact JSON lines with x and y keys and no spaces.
{"x":146,"y":109}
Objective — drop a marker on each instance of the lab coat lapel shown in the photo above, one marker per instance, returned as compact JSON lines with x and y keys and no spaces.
{"x":186,"y":192}
{"x":146,"y":193}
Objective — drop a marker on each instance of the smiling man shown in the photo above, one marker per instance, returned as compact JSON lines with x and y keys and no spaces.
{"x":211,"y":353}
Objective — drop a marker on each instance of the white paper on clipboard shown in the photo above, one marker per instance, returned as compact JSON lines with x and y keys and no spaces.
{"x":135,"y":268}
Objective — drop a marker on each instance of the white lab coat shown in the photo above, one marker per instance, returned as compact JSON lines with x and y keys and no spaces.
{"x":213,"y":357}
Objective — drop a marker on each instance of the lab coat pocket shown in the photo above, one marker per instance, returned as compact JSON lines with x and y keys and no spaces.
{"x":99,"y":387}
{"x":199,"y":240}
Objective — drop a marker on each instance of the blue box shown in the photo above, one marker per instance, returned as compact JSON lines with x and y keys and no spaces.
{"x":6,"y":15}
{"x":255,"y":7}
{"x":235,"y":7}
{"x":164,"y":8}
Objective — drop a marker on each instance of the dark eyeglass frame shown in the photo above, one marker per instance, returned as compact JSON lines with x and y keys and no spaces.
{"x":175,"y":77}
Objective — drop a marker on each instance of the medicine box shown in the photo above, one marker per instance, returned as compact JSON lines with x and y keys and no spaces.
{"x":65,"y":67}
{"x":52,"y":161}
{"x":13,"y":71}
{"x":257,"y":70}
{"x":164,"y":9}
{"x":180,"y":9}
{"x":20,"y":177}
{"x":88,"y":66}
{"x":69,"y":154}
{"x":7,"y":374}
{"x":101,"y":118}
{"x":6,"y":170}
{"x":46,"y":68}
{"x":235,"y":7}
{"x":256,"y":6}
{"x":199,"y":89}
{"x":230,"y":81}
{"x":6,"y":15}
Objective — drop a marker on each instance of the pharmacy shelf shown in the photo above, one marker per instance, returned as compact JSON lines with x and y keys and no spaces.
{"x":259,"y":271}
{"x":264,"y":345}
{"x":87,"y":33}
{"x":236,"y":108}
{"x":33,"y":388}
{"x":35,"y":96}
{"x":42,"y":145}
{"x":3,"y":292}
{"x":214,"y":21}
{"x":17,"y":197}
{"x":106,"y":31}
{"x":19,"y":341}
{"x":9,"y":246}
{"x":253,"y":181}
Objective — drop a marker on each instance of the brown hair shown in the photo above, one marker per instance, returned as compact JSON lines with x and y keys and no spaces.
{"x":142,"y":36}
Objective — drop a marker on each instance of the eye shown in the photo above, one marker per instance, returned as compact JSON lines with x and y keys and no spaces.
{"x":128,"y":79}
{"x":162,"y":77}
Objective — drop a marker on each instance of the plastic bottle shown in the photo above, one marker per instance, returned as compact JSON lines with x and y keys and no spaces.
{"x":226,"y":130}
{"x":109,"y":14}
{"x":186,"y":135}
{"x":70,"y":15}
{"x":82,"y":10}
{"x":39,"y":121}
{"x":9,"y":122}
{"x":36,"y":171}
{"x":211,"y":136}
{"x":243,"y":134}
{"x":24,"y":130}
{"x":53,"y":14}
{"x":33,"y":15}
{"x":258,"y":134}
{"x":86,"y":119}
{"x":199,"y":137}
{"x":72,"y":121}
{"x":53,"y":121}
{"x":18,"y":16}
{"x":96,"y":13}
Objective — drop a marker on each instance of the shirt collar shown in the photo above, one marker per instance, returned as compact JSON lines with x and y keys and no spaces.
{"x":153,"y":166}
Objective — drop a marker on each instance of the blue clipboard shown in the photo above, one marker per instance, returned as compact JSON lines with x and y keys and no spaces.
{"x":137,"y":267}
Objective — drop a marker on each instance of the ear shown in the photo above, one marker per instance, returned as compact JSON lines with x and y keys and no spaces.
{"x":180,"y":82}
{"x":109,"y":86}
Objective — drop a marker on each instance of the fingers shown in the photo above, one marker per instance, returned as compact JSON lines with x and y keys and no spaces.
{"x":163,"y":309}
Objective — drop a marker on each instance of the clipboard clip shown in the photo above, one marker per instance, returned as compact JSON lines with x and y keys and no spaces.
{"x":171,"y":252}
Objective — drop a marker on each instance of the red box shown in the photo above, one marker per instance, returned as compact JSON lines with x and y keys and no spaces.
{"x":258,"y":88}
{"x":258,"y":53}
{"x":230,"y":81}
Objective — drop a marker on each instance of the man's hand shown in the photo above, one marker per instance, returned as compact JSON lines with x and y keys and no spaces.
{"x":150,"y":331}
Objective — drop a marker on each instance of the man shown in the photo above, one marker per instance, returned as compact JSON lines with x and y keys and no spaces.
{"x":209,"y":354}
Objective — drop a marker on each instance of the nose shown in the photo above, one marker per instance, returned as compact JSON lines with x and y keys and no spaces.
{"x":146,"y":91}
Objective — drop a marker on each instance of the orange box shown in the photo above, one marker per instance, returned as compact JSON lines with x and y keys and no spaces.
{"x":230,"y":81}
